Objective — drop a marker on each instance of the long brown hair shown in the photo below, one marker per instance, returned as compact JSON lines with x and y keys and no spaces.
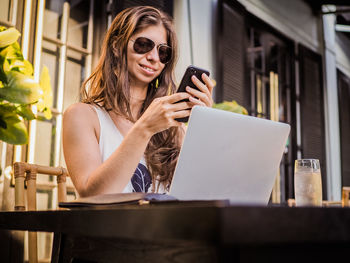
{"x":108,"y":86}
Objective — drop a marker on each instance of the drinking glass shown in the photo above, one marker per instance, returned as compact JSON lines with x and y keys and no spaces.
{"x":307,"y":183}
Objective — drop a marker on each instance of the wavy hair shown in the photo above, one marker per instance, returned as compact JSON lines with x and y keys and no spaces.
{"x":108,"y":86}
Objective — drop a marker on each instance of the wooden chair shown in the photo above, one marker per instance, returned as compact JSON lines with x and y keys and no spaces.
{"x":325,"y":203}
{"x":27,"y":173}
{"x":345,"y":196}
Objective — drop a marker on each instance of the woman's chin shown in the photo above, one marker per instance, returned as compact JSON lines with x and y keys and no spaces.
{"x":146,"y":79}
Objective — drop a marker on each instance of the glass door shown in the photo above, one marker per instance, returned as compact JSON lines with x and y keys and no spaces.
{"x":269,"y":70}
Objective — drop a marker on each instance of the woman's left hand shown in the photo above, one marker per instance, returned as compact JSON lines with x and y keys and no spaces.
{"x":204,"y":96}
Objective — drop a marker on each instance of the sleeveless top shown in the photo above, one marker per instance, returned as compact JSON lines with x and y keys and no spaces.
{"x":110,"y":139}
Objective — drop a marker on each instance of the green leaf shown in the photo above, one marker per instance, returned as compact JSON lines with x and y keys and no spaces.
{"x":6,"y":66}
{"x":8,"y":36}
{"x":20,"y":89}
{"x":232,"y":106}
{"x":12,"y":52}
{"x":9,"y":56}
{"x":26,"y":112}
{"x":12,"y":130}
{"x":22,"y":66}
{"x":3,"y":124}
{"x":27,"y":68}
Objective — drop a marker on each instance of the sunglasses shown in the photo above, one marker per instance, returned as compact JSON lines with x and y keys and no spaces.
{"x":142,"y":45}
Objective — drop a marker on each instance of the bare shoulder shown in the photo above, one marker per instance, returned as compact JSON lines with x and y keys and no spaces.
{"x":80,"y":115}
{"x":79,"y":109}
{"x":80,"y":112}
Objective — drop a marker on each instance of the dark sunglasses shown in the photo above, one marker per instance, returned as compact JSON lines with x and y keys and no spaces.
{"x":142,"y":45}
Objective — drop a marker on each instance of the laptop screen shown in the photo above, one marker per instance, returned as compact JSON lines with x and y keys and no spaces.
{"x":229,"y":156}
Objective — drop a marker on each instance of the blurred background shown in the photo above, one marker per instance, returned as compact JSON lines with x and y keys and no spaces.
{"x":283,"y":60}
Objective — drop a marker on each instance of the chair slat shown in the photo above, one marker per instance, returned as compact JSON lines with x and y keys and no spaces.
{"x":25,"y":172}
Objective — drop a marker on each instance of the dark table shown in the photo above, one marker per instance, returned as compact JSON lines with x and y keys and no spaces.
{"x":199,"y":232}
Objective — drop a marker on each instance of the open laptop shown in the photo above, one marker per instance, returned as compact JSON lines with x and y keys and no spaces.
{"x":229,"y":156}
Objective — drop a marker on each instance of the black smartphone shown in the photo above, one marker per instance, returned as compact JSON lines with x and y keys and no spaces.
{"x":186,"y":81}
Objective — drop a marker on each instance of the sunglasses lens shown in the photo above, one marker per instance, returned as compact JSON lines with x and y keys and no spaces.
{"x":164,"y":54}
{"x":143,"y":45}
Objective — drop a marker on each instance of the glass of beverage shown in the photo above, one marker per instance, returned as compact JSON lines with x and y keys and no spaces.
{"x":307,"y":183}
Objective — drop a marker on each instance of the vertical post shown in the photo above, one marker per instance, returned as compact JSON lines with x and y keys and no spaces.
{"x":31,"y":197}
{"x":274,"y":115}
{"x":18,"y":236}
{"x":61,"y":79}
{"x":333,"y":141}
{"x":19,"y":187}
{"x":90,"y":39}
{"x":62,"y":188}
{"x":37,"y":63}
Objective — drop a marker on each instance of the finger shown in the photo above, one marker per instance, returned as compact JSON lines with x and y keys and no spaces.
{"x":181,"y":106}
{"x":210,"y":83}
{"x":181,"y":114}
{"x":204,"y":97}
{"x":177,"y":115}
{"x":177,"y":96}
{"x":198,"y":102}
{"x":175,"y":123}
{"x":199,"y":84}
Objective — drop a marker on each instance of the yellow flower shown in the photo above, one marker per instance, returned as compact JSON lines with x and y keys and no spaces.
{"x":45,"y":101}
{"x":8,"y":36}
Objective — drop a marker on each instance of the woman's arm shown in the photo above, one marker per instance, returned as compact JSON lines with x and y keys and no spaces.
{"x":83,"y":158}
{"x":89,"y":174}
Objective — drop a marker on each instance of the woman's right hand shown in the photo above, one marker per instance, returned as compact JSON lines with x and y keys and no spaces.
{"x":162,"y":112}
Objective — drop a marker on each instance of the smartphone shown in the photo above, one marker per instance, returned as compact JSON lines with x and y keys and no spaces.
{"x":186,"y":81}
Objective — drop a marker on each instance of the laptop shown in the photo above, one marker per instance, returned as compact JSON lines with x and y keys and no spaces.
{"x":229,"y":156}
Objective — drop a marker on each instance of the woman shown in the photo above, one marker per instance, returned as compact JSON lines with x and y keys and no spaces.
{"x":123,"y":137}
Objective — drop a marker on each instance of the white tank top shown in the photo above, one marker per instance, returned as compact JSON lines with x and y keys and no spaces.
{"x":110,"y":139}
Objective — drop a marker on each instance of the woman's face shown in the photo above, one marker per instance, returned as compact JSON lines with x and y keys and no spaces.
{"x":143,"y":68}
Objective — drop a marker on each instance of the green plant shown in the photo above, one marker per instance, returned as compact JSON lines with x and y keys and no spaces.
{"x":18,"y":90}
{"x":232,"y":106}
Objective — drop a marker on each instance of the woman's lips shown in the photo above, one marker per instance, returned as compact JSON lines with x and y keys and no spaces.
{"x":147,"y":70}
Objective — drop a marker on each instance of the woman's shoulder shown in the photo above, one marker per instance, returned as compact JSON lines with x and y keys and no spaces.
{"x":80,"y":109}
{"x":79,"y":112}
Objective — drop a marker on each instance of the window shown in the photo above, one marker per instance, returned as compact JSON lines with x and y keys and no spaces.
{"x":268,"y":77}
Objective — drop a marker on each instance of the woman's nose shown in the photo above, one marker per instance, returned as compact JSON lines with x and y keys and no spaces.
{"x":153,"y":54}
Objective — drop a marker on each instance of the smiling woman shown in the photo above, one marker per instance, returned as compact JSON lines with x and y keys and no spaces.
{"x":144,"y":61}
{"x":123,"y":136}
